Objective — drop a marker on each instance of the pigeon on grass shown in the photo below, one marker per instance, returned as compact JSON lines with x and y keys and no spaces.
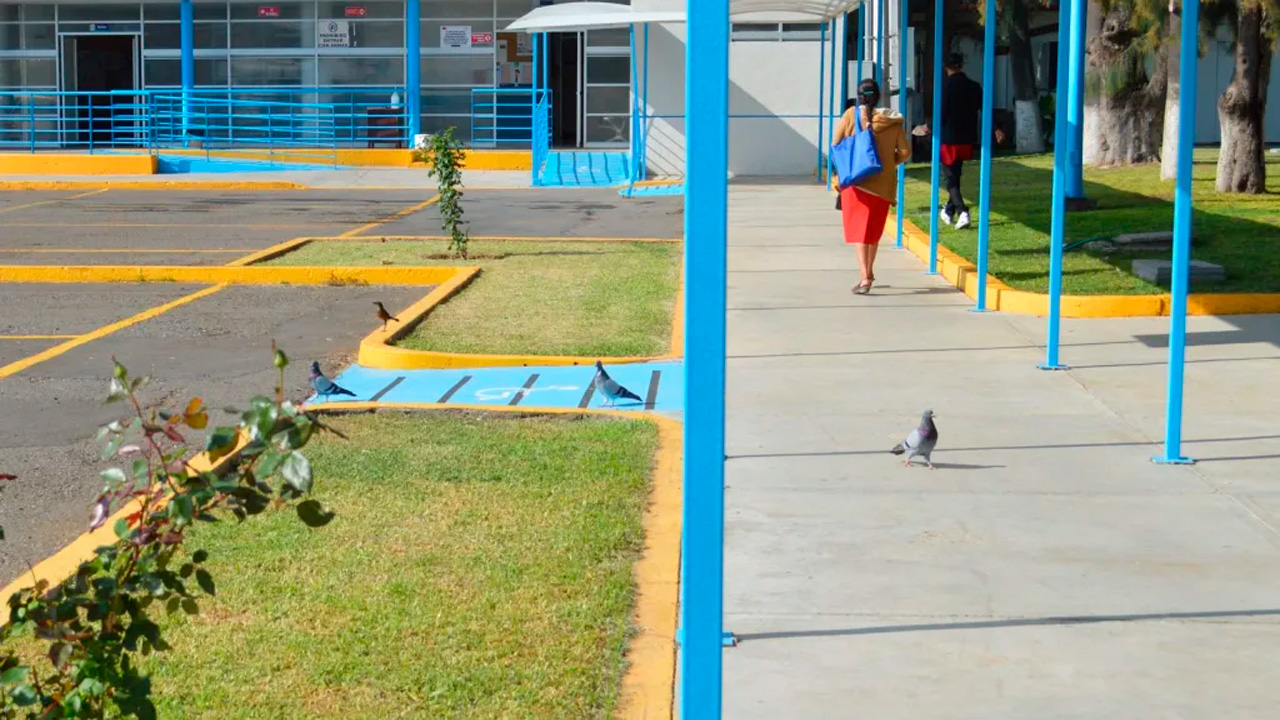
{"x":610,"y":389}
{"x":323,"y":386}
{"x":920,"y":442}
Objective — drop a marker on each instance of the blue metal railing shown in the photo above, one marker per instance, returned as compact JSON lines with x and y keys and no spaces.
{"x":257,"y":128}
{"x":76,"y":120}
{"x":502,"y":117}
{"x":93,"y":121}
{"x":541,"y":146}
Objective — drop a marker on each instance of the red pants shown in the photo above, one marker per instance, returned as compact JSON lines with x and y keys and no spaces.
{"x":863,"y":214}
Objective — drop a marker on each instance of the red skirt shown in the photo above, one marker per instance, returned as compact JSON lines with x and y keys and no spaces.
{"x":951,"y":154}
{"x":863,"y":214}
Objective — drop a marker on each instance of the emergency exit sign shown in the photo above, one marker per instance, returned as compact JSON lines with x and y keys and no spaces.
{"x":268,"y":11}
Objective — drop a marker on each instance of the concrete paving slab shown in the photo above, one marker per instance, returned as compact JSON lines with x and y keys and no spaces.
{"x":558,"y":212}
{"x":973,"y":590}
{"x":217,"y":347}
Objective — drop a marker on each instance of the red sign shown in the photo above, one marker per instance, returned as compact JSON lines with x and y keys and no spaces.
{"x":357,"y":11}
{"x":482,"y":38}
{"x":268,"y":11}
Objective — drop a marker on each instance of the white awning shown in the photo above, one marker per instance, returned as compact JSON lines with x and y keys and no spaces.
{"x":575,"y":16}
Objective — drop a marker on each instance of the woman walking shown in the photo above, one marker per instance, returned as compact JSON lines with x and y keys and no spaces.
{"x":865,"y":205}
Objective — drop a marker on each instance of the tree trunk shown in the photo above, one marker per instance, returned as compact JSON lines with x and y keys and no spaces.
{"x":1027,"y":121}
{"x":1241,"y":165}
{"x":1173,"y":65}
{"x":1124,"y":110}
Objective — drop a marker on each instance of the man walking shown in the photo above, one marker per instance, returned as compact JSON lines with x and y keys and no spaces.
{"x":961,"y":105}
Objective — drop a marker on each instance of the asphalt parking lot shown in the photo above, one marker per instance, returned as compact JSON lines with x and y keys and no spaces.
{"x":57,"y":339}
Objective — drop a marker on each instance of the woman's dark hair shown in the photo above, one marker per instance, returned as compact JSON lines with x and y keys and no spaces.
{"x":869,"y":96}
{"x":850,"y":103}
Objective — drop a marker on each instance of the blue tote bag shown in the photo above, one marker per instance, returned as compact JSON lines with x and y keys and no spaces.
{"x":855,"y":157}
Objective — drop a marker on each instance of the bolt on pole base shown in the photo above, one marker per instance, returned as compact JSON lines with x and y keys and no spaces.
{"x":1161,"y":460}
{"x":727,"y":639}
{"x":1046,"y":366}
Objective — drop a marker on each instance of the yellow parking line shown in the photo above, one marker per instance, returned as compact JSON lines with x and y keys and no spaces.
{"x":50,"y":202}
{"x":115,"y":251}
{"x":53,"y":352}
{"x":391,"y":218}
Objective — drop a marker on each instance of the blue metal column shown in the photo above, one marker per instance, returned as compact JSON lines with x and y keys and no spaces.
{"x":935,"y":130}
{"x":988,"y":108}
{"x":1061,"y":146}
{"x":413,"y":65}
{"x":822,"y":78}
{"x":844,"y":63}
{"x":644,"y":107}
{"x":831,"y":103}
{"x":187,"y":34}
{"x":881,"y":7}
{"x":903,"y":23}
{"x":1075,"y":101}
{"x":635,"y":109}
{"x":1181,"y":235}
{"x":862,"y":38}
{"x":706,"y":254}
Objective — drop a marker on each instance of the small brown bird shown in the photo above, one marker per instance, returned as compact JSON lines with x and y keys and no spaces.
{"x":385,"y":316}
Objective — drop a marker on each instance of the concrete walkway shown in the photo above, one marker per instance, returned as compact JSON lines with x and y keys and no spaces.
{"x":1047,"y":569}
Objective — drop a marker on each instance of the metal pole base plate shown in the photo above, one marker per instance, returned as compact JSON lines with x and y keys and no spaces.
{"x":1161,"y":460}
{"x":727,"y":639}
{"x":1044,"y":366}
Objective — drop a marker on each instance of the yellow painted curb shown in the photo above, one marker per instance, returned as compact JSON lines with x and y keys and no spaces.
{"x":962,"y":275}
{"x":648,"y":687}
{"x":230,"y":274}
{"x":151,"y":185}
{"x":77,"y":164}
{"x":658,"y":183}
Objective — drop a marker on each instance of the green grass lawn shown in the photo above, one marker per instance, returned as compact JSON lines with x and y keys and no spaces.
{"x":544,"y":298}
{"x":478,"y":567}
{"x":1240,"y":232}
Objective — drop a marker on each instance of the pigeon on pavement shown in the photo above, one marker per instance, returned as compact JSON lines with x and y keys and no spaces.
{"x":920,"y":442}
{"x":609,"y":388}
{"x":323,"y":386}
{"x":385,"y":316}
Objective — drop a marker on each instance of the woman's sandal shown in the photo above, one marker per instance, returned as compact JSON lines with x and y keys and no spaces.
{"x":862,"y":288}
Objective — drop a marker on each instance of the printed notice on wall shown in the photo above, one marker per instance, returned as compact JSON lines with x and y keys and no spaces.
{"x":455,"y":37}
{"x":333,"y":34}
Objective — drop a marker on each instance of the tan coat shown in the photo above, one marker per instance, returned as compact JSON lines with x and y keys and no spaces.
{"x":892,"y":145}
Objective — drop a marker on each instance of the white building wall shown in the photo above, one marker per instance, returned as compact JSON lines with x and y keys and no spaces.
{"x":769,"y":84}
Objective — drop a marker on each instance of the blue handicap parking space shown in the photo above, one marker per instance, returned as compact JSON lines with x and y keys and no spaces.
{"x":659,"y":385}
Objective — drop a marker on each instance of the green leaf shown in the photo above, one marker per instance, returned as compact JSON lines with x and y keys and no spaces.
{"x":117,"y":391}
{"x":206,"y":581}
{"x":109,"y":450}
{"x":220,"y":442}
{"x":24,"y":695}
{"x":114,"y":476}
{"x":15,"y":676}
{"x":314,"y":514}
{"x":122,"y":529}
{"x":269,"y":463}
{"x":297,"y":472}
{"x":181,"y":509}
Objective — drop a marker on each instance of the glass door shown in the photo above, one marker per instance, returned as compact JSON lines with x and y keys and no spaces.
{"x":605,"y":102}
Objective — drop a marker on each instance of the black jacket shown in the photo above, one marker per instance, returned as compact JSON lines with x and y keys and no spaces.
{"x":961,"y":106}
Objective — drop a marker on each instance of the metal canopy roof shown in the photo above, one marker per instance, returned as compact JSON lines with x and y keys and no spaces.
{"x":599,"y":15}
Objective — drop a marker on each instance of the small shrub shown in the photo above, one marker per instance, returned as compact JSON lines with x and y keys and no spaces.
{"x":95,"y":624}
{"x":444,"y":156}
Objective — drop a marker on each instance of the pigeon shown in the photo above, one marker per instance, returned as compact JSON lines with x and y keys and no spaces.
{"x":385,"y":316}
{"x":920,"y":442}
{"x":323,"y":386}
{"x":609,"y":388}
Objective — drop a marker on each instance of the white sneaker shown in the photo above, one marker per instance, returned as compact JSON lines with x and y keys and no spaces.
{"x":963,"y":222}
{"x":946,"y":216}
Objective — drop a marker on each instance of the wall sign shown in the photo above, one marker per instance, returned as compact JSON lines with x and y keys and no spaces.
{"x":482,"y":38}
{"x":356,"y":11}
{"x":455,"y":37}
{"x":333,"y":34}
{"x":268,"y":11}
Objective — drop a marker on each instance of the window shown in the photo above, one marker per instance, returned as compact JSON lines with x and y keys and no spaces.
{"x":776,"y":32}
{"x":361,"y":71}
